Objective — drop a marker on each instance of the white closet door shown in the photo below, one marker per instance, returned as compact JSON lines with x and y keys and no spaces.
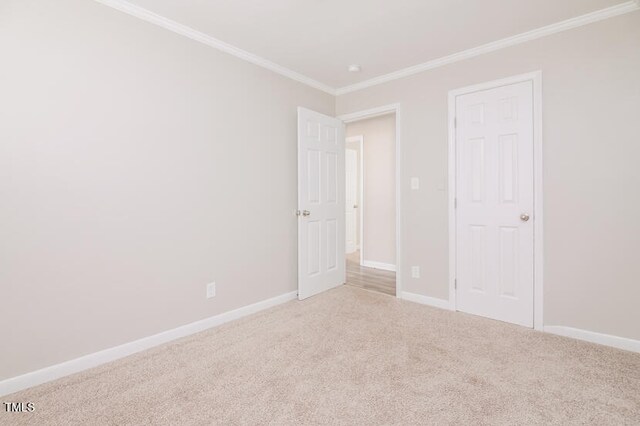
{"x":495,"y":194}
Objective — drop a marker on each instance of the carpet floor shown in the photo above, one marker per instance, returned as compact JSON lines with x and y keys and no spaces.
{"x":351,"y":357}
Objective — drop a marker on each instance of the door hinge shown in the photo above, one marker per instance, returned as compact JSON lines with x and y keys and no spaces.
{"x":455,"y":283}
{"x":455,"y":203}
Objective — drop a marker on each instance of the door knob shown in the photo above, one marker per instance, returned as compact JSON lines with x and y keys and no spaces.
{"x":524,"y":217}
{"x":355,"y":206}
{"x":306,"y":213}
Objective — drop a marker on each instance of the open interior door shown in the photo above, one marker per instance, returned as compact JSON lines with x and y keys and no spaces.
{"x":321,"y":198}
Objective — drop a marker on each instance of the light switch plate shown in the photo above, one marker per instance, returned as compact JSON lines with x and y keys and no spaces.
{"x":415,"y":183}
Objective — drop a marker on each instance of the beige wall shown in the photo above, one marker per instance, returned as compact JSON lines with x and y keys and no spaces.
{"x":591,"y":136}
{"x":379,"y":214}
{"x":136,"y":166}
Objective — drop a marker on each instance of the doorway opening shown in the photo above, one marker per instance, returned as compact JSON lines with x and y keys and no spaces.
{"x":370,"y":207}
{"x":322,"y":209}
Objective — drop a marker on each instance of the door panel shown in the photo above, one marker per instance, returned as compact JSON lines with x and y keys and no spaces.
{"x":351,"y":166}
{"x":494,"y":247}
{"x":321,"y":201}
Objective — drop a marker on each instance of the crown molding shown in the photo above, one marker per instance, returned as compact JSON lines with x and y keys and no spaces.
{"x":599,"y":15}
{"x":178,"y":28}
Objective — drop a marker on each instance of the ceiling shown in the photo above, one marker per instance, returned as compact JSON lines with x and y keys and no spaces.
{"x":321,"y":38}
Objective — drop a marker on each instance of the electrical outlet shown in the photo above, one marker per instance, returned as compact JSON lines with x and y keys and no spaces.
{"x":211,"y":290}
{"x":415,"y":272}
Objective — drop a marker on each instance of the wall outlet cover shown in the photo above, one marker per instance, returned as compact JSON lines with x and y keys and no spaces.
{"x":211,"y":290}
{"x":415,"y":272}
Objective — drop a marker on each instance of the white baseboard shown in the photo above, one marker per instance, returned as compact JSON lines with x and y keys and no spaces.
{"x":379,"y":265}
{"x":575,"y":333}
{"x":57,"y":371}
{"x":426,"y":300}
{"x":593,"y":337}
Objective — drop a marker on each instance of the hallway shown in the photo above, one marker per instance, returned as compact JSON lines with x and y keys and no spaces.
{"x":369,"y":278}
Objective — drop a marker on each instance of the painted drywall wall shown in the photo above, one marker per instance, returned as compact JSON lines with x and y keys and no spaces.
{"x":379,"y":215}
{"x":136,"y":166}
{"x":591,"y":131}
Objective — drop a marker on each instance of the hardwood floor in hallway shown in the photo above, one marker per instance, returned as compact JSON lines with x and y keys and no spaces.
{"x":369,"y":278}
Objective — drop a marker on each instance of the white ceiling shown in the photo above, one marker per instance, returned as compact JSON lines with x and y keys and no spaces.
{"x":320,"y":38}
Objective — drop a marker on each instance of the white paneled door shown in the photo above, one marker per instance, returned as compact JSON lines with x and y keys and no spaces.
{"x":321,"y":200}
{"x":494,"y":203}
{"x":351,"y":205}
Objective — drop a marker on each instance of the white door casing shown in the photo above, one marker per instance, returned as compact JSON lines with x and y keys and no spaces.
{"x":494,"y":188}
{"x":321,"y":203}
{"x":351,"y":204}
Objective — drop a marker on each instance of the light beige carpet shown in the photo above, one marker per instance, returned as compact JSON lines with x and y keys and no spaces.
{"x":352,"y":357}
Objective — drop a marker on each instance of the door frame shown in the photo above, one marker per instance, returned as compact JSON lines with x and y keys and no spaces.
{"x":371,"y":113}
{"x":538,"y":258}
{"x":360,"y":140}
